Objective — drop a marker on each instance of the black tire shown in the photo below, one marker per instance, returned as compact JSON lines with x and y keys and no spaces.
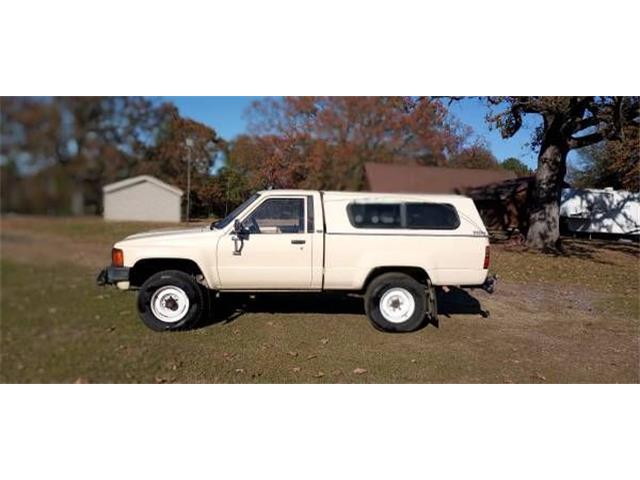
{"x":376,"y":290}
{"x":198,"y":305}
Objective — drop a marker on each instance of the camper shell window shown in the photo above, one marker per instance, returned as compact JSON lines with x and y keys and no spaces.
{"x":405,"y":215}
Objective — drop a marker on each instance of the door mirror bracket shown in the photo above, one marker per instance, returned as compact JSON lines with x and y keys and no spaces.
{"x":240,"y":234}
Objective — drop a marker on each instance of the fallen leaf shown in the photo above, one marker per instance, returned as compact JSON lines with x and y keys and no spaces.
{"x":324,"y":341}
{"x":360,"y":371}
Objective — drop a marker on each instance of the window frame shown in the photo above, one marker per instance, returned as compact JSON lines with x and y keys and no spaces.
{"x":403,"y":216}
{"x":278,"y":197}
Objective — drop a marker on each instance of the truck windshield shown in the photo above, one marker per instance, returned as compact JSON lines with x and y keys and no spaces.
{"x":229,"y":218}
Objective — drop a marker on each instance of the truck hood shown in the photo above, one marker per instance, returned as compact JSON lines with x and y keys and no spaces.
{"x":157,"y":234}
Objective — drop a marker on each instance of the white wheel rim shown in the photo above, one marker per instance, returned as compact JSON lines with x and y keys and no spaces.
{"x":397,"y":305}
{"x":169,"y":304}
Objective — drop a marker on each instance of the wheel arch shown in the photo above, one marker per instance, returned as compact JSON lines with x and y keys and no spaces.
{"x":146,"y":267}
{"x":417,"y":273}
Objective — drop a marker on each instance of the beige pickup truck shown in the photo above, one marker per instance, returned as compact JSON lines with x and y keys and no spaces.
{"x":392,"y":248}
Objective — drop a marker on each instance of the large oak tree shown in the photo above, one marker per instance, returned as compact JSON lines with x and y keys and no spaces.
{"x":567,"y":123}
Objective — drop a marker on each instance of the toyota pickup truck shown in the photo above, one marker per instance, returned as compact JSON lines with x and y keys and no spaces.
{"x":393,"y":249}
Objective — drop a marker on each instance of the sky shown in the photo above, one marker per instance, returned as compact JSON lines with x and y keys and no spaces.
{"x":226,"y":116}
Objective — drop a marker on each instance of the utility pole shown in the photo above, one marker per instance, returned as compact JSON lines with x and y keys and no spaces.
{"x":189,"y":143}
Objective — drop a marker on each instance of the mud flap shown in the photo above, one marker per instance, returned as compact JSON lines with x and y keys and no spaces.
{"x":432,"y":303}
{"x":490,"y":284}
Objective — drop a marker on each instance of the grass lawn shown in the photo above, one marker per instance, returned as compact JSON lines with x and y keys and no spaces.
{"x":573,"y":318}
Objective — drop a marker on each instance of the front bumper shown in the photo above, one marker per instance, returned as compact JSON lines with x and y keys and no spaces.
{"x":113,"y":275}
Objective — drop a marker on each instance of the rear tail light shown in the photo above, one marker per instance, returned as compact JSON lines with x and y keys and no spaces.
{"x":117,"y":257}
{"x":487,"y":257}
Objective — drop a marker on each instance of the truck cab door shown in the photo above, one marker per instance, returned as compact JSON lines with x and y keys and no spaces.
{"x":275,"y":254}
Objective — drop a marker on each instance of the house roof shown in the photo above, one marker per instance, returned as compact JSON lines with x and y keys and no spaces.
{"x":129,"y":182}
{"x":387,"y":177}
{"x":501,"y":190}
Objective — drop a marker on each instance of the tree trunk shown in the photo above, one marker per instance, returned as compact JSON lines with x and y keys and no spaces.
{"x":544,"y":213}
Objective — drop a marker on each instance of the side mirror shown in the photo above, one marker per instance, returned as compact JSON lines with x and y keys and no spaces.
{"x":240,"y":230}
{"x":240,"y":235}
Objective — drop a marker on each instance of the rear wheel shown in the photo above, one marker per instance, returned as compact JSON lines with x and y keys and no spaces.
{"x":396,"y":302}
{"x":171,"y":300}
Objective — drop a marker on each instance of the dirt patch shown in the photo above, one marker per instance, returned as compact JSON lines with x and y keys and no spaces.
{"x":29,"y":247}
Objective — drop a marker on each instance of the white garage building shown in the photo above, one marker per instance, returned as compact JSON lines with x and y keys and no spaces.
{"x":143,"y":198}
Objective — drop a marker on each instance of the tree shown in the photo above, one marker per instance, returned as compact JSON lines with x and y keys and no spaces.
{"x":613,"y":164}
{"x":567,"y":123}
{"x":182,"y":143}
{"x":516,"y":166}
{"x":76,"y":144}
{"x":67,"y":148}
{"x":474,"y":156}
{"x":324,"y":142}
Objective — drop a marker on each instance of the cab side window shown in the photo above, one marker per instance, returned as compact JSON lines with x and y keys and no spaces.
{"x":413,"y":215}
{"x":277,"y":215}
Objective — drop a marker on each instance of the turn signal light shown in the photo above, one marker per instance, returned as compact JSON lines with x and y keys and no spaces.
{"x":117,"y":257}
{"x":487,"y":257}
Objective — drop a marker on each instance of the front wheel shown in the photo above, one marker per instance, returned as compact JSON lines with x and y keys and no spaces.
{"x":395,"y":302}
{"x":171,"y":300}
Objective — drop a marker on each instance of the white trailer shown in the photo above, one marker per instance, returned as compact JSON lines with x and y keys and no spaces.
{"x":607,"y":211}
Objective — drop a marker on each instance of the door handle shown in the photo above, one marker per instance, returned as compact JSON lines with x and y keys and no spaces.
{"x":298,"y":242}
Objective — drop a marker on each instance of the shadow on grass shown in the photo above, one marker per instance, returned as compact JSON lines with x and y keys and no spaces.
{"x":580,"y":246}
{"x":231,"y":306}
{"x":458,"y":301}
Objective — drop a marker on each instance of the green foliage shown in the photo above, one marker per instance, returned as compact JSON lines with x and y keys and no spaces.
{"x":609,"y":164}
{"x":516,"y":166}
